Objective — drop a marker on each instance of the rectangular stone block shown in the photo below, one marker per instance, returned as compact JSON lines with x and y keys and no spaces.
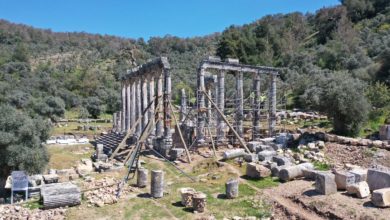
{"x":360,"y":175}
{"x":381,"y":197}
{"x":360,"y":189}
{"x":343,"y":179}
{"x":325,"y":183}
{"x":257,"y":171}
{"x":309,"y":174}
{"x":378,"y":179}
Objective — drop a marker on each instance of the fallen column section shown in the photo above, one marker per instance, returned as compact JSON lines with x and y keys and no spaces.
{"x":293,"y":172}
{"x":60,"y":195}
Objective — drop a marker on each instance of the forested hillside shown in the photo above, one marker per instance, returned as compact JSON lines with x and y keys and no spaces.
{"x":43,"y":74}
{"x":336,"y":61}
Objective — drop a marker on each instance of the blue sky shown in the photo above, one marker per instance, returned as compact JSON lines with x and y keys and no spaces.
{"x":146,"y":18}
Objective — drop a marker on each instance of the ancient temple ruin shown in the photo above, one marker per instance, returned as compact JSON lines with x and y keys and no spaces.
{"x":146,"y":96}
{"x":213,"y":87}
{"x":146,"y":92}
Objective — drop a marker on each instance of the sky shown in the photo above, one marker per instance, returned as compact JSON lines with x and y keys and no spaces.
{"x":148,"y":18}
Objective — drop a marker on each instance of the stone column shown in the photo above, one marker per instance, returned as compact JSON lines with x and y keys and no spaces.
{"x":159,"y":125}
{"x":256,"y":107}
{"x":215,"y":97}
{"x":138,"y":105}
{"x":201,"y":107}
{"x":114,"y":120}
{"x":157,"y":184}
{"x":221,"y":106}
{"x":145,"y":99}
{"x":167,"y":110}
{"x":239,"y":103}
{"x":128,"y":112}
{"x":133,"y":103}
{"x":123,"y":118}
{"x":183,"y":105}
{"x":209,"y":111}
{"x":232,"y":188}
{"x":142,"y":177}
{"x":272,"y":105}
{"x":119,"y":118}
{"x":151,"y":98}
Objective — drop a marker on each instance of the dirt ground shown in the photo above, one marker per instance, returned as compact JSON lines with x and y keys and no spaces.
{"x":335,"y":206}
{"x":338,"y":155}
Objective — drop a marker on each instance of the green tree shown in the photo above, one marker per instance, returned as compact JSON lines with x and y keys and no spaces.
{"x":20,"y":142}
{"x":379,"y":95}
{"x":51,"y":107}
{"x":341,"y":98}
{"x":94,"y":106}
{"x":20,"y":53}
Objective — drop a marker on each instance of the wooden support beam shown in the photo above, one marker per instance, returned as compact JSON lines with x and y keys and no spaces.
{"x":131,"y":131}
{"x":180,"y":134}
{"x":212,"y":140}
{"x":226,"y":121}
{"x":144,"y":134}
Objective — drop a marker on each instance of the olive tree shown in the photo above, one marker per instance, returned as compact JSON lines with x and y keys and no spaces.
{"x":341,"y":98}
{"x":21,"y":140}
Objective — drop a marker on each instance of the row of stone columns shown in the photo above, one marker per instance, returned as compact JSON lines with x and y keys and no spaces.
{"x":136,"y":95}
{"x":239,"y":98}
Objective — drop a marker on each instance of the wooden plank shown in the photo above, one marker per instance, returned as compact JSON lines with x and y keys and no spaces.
{"x":180,"y":134}
{"x":226,"y":121}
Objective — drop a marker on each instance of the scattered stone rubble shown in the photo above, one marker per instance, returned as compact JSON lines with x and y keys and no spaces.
{"x":104,"y":191}
{"x":11,"y":212}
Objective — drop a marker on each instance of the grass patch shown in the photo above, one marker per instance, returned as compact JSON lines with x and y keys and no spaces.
{"x":33,"y":204}
{"x":321,"y":166}
{"x":245,"y":190}
{"x":375,"y":120}
{"x":64,"y":157}
{"x":321,"y":123}
{"x":264,"y":183}
{"x":72,"y":127}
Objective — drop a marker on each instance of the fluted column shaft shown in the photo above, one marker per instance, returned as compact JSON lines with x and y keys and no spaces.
{"x":201,"y":107}
{"x":159,"y":125}
{"x":272,"y":105}
{"x":221,"y":106}
{"x":239,"y":103}
{"x":256,"y":107}
{"x":128,"y":112}
{"x":123,"y":116}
